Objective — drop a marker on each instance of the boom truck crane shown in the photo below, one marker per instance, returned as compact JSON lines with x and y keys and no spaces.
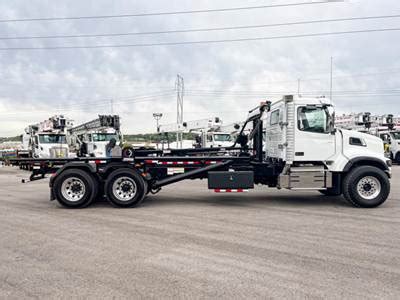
{"x":91,"y":138}
{"x":208,"y":132}
{"x":361,"y":122}
{"x":303,"y":150}
{"x":46,"y":139}
{"x":385,"y":128}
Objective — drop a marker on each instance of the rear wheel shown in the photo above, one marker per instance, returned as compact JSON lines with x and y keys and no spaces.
{"x":125,"y":188}
{"x":75,"y":188}
{"x":366,"y":186}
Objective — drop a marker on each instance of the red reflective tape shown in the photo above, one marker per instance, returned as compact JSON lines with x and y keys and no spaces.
{"x":151,"y":161}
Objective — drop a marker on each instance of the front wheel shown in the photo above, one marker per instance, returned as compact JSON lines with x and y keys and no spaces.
{"x":366,"y":186}
{"x":125,"y":188}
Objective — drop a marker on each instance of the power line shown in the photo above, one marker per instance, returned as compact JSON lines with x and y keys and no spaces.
{"x":102,"y":103}
{"x":200,"y":29}
{"x":204,"y":41}
{"x":229,"y":9}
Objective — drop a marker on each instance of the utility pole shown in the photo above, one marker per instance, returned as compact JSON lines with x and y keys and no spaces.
{"x":112,"y":106}
{"x":331,"y":84}
{"x":180,"y":91}
{"x":298,"y":87}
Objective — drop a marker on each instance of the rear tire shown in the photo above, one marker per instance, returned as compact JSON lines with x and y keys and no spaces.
{"x":125,"y":188}
{"x":75,"y":188}
{"x":366,"y":187}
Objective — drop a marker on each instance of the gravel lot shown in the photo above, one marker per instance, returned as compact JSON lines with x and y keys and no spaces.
{"x":188,"y":242}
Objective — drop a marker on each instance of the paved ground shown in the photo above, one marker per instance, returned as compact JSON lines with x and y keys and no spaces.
{"x":187,"y":242}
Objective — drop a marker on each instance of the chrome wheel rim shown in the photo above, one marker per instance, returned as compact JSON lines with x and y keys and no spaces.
{"x":124,"y":188}
{"x":369,"y":187}
{"x":128,"y":153}
{"x":73,"y":189}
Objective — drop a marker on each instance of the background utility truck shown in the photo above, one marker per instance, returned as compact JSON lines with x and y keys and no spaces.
{"x":46,"y":139}
{"x":91,"y":138}
{"x":208,"y":133}
{"x":302,"y":151}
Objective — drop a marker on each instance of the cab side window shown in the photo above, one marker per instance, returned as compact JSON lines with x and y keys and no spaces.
{"x":312,"y":119}
{"x":274,"y":117}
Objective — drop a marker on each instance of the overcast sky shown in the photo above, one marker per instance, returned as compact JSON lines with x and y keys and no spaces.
{"x":222,"y":79}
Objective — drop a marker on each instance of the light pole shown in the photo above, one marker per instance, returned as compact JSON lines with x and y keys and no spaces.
{"x":157,"y":117}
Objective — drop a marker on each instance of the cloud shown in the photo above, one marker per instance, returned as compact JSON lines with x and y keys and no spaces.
{"x":221,"y":79}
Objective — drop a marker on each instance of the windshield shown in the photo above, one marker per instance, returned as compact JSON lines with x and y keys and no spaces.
{"x":396,"y":135}
{"x":222,"y":137}
{"x":52,"y":139}
{"x":103,"y":137}
{"x":313,"y":119}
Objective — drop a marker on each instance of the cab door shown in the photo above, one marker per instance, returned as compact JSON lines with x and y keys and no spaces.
{"x":313,"y":139}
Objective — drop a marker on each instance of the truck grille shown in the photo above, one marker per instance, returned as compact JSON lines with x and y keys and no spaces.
{"x":58,"y":152}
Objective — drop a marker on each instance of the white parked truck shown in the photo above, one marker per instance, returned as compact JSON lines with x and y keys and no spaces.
{"x":208,"y":133}
{"x":46,"y":139}
{"x":303,"y":150}
{"x":91,"y":138}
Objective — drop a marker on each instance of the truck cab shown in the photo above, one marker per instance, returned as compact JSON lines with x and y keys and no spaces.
{"x":394,"y":145}
{"x":93,"y":143}
{"x":218,"y":139}
{"x":300,"y":133}
{"x":50,"y":145}
{"x":46,"y":139}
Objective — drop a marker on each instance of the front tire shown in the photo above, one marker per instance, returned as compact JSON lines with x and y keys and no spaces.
{"x":75,"y":188}
{"x":125,"y":188}
{"x":366,"y":187}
